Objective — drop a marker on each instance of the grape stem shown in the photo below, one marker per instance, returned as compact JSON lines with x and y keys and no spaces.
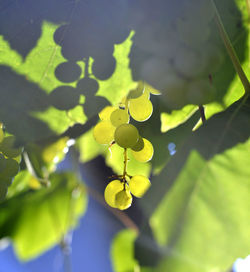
{"x":125,"y":165}
{"x":230,"y":50}
{"x":43,"y":181}
{"x":202,"y":112}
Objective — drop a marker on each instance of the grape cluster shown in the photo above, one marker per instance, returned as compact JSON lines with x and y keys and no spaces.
{"x":176,"y":50}
{"x":9,"y":162}
{"x":114,"y":128}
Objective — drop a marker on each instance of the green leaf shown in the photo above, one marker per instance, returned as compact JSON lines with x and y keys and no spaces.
{"x":28,"y":83}
{"x":198,"y":205}
{"x":204,"y":219}
{"x":176,"y":117}
{"x":122,"y":252}
{"x":37,"y":220}
{"x":121,"y":82}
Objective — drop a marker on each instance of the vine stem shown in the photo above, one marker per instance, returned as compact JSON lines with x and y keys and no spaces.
{"x":202,"y":113}
{"x":230,"y":50}
{"x":43,"y":181}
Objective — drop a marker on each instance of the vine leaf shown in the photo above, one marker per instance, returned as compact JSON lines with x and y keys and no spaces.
{"x":36,"y":221}
{"x":205,"y":187}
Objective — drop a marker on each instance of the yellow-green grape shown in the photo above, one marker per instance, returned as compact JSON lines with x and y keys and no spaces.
{"x":114,"y":187}
{"x":138,"y":185}
{"x":139,"y":145}
{"x":104,"y":132}
{"x":119,"y":117}
{"x":146,"y":153}
{"x":7,"y":147}
{"x":104,"y":115}
{"x":140,"y":108}
{"x":123,"y":200}
{"x":136,"y":92}
{"x":126,"y":135}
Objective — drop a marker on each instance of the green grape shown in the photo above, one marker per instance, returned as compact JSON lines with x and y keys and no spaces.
{"x":114,"y":187}
{"x":8,"y":149}
{"x":138,"y":185}
{"x":3,"y":190}
{"x":104,"y":132}
{"x":119,"y":117}
{"x":104,"y":115}
{"x":126,"y":135}
{"x":146,"y":153}
{"x":136,"y":92}
{"x":123,"y":200}
{"x":140,"y":109}
{"x":200,"y":92}
{"x":139,"y":145}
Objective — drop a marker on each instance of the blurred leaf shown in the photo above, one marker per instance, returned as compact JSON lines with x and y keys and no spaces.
{"x":122,"y":252}
{"x":45,"y":158}
{"x":36,"y":221}
{"x":19,"y":184}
